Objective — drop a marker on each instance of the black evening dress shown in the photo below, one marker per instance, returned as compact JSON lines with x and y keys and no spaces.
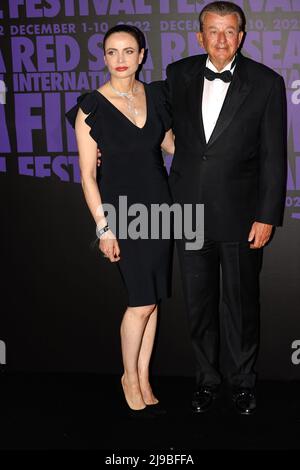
{"x":132,"y":165}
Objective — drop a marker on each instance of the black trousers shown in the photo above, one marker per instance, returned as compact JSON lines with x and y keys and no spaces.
{"x":239,"y":314}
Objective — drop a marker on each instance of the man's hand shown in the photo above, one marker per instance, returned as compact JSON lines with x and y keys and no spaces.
{"x":98,"y":157}
{"x":259,"y":234}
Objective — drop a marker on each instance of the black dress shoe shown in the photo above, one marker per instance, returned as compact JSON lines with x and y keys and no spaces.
{"x":157,"y":409}
{"x":203,"y":398}
{"x":244,"y":401}
{"x":144,"y":413}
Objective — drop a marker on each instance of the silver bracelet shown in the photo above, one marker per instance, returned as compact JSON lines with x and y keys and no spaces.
{"x":101,"y":231}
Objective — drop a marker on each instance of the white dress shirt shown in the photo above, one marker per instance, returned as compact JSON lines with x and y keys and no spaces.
{"x":214,"y":93}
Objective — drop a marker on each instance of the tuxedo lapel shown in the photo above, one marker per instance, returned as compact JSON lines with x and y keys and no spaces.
{"x":236,"y":94}
{"x":194,"y":92}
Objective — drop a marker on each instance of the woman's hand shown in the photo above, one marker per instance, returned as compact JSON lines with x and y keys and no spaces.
{"x":168,"y":144}
{"x":109,"y":246}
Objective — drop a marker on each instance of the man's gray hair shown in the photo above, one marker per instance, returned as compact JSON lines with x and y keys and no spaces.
{"x":222,"y":9}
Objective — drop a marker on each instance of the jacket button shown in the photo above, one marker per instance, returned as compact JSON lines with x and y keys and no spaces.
{"x":204,"y":157}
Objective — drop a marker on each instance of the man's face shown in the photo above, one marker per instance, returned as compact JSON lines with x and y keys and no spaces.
{"x":220,"y":38}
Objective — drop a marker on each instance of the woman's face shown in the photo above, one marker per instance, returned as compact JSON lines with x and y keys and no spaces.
{"x":122,"y":56}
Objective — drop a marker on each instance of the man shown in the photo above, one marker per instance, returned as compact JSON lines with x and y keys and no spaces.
{"x":229,"y":120}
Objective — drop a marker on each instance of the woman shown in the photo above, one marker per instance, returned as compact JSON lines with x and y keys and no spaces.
{"x":128,"y":121}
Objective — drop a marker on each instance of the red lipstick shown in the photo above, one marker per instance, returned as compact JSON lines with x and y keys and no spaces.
{"x":121,"y":69}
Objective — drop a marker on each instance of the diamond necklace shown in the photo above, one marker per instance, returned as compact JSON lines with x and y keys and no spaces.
{"x":129,"y":98}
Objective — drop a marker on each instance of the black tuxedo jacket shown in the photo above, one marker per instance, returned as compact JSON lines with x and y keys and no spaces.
{"x":240,"y":173}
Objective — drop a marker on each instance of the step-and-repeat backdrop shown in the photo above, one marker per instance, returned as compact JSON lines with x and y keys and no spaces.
{"x":62,"y":302}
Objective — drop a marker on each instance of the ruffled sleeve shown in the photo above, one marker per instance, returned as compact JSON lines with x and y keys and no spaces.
{"x":89,"y":104}
{"x":159,"y":93}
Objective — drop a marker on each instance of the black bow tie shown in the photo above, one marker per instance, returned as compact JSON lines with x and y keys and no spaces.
{"x":226,"y":76}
